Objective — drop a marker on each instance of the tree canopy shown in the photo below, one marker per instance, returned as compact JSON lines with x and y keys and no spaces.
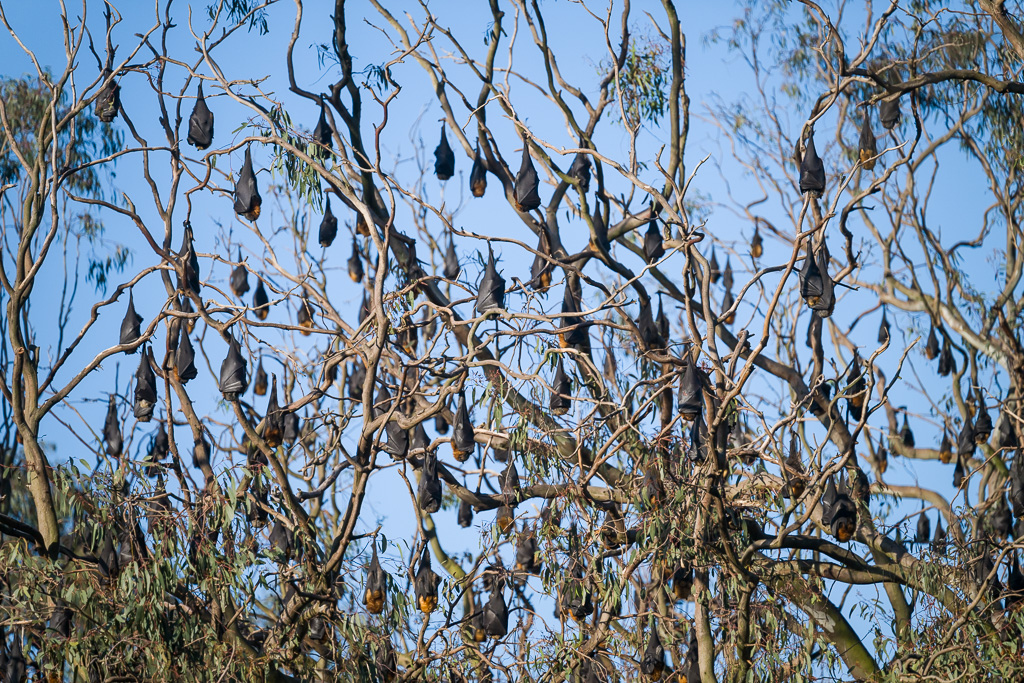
{"x":494,"y":341}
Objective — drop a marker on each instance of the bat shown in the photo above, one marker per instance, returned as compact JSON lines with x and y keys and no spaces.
{"x":108,"y":100}
{"x":793,"y":471}
{"x":356,"y":379}
{"x":428,"y":495}
{"x":931,"y":348}
{"x":575,"y":332}
{"x":1017,"y":486}
{"x":496,"y":615}
{"x":906,"y":434}
{"x":291,"y":428}
{"x":505,"y":519}
{"x":282,"y":540}
{"x":200,"y":123}
{"x":889,"y":113}
{"x":184,"y":357}
{"x":247,"y":193}
{"x":328,"y":227}
{"x":322,"y":132}
{"x":946,"y":450}
{"x":259,"y":383}
{"x":188,"y":279}
{"x":420,"y":442}
{"x":465,"y":516}
{"x":145,"y":388}
{"x":376,"y":580}
{"x":477,"y":175}
{"x":883,"y":329}
{"x":131,"y":329}
{"x":355,"y":264}
{"x":525,"y":193}
{"x":856,"y":388}
{"x":727,"y":303}
{"x":947,"y":365}
{"x":756,"y":243}
{"x":580,"y":172}
{"x":661,"y":321}
{"x":867,"y":145}
{"x":273,"y":423}
{"x":682,"y":582}
{"x":652,"y":661}
{"x":939,"y":539}
{"x":239,"y":278}
{"x":526,"y":552}
{"x":648,"y":330}
{"x":260,"y":301}
{"x":425,"y":584}
{"x":982,"y":423}
{"x":713,"y":269}
{"x":463,"y":436}
{"x":451,"y":262}
{"x":561,"y":391}
{"x":233,"y":380}
{"x":491,"y":291}
{"x":444,"y":158}
{"x":654,"y":247}
{"x":304,"y":316}
{"x":691,"y":394}
{"x":364,"y":309}
{"x":112,"y":429}
{"x":397,"y":445}
{"x":958,"y":473}
{"x":541,"y":269}
{"x":812,"y":170}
